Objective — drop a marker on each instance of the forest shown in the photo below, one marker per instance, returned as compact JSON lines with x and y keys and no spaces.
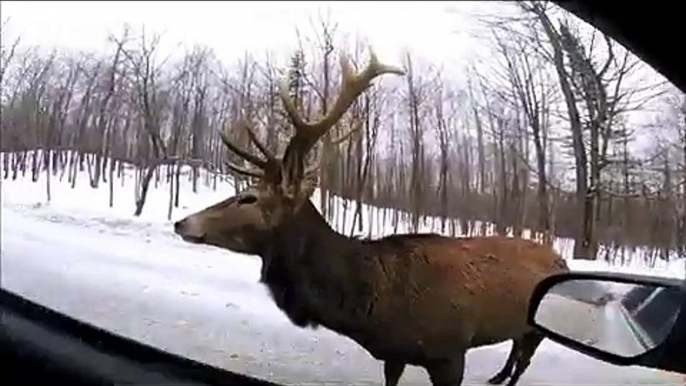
{"x":562,"y":131}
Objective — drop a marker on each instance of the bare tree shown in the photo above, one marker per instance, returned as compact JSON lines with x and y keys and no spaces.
{"x":528,"y":76}
{"x":7,"y":52}
{"x":147,"y":95}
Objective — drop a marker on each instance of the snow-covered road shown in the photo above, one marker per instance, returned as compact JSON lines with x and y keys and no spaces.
{"x":207,"y":304}
{"x":604,"y":327}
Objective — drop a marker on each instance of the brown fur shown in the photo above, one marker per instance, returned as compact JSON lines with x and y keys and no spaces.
{"x":448,"y":292}
{"x":407,"y":299}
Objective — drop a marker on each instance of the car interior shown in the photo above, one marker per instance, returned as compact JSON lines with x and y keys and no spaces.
{"x":41,"y":345}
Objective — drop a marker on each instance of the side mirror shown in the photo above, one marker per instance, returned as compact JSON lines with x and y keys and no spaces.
{"x":613,"y":317}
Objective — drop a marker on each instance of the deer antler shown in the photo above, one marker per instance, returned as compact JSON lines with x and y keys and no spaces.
{"x":308,"y":133}
{"x":265,"y":168}
{"x":314,"y":169}
{"x":352,"y":86}
{"x":290,"y":170}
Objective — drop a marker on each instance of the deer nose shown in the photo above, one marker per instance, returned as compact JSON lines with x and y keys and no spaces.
{"x":179,"y":226}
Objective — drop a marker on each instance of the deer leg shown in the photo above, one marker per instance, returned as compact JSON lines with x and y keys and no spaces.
{"x":392,"y":372}
{"x":506,"y":371}
{"x":529,"y":344}
{"x":447,"y":372}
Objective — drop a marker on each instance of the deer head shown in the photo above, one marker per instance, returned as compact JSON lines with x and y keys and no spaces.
{"x":243,"y":223}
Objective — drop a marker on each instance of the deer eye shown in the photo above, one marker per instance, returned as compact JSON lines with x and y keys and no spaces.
{"x":247,"y":200}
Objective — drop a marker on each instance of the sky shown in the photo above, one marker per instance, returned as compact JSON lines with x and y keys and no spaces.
{"x":436,"y":30}
{"x":443,"y":33}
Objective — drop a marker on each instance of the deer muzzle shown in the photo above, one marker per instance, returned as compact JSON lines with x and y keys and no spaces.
{"x":189,"y":230}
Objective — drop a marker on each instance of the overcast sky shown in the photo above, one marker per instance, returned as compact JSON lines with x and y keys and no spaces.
{"x":438,"y":31}
{"x":441,"y":32}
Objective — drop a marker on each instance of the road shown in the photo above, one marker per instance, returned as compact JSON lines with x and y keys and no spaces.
{"x":208,"y":305}
{"x":604,"y":327}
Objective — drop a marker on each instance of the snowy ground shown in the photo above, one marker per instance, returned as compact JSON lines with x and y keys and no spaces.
{"x":132,"y":276}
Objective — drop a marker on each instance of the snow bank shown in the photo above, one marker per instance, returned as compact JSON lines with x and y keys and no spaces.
{"x":91,"y":207}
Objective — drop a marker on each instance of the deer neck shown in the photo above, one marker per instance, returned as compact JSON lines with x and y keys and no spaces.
{"x":310,"y":270}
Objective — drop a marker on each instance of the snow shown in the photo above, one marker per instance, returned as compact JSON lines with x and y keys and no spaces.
{"x":588,"y":327}
{"x":135,"y":277}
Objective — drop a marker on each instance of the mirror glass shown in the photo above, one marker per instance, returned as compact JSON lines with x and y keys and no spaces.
{"x":619,"y":318}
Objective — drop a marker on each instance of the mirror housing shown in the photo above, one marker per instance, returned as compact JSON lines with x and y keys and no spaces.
{"x":618,"y":318}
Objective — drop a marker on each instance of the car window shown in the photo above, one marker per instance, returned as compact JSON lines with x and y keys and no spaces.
{"x":656,"y":312}
{"x":636,"y":297}
{"x":497,"y":118}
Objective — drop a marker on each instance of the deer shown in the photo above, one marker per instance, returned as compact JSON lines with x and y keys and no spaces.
{"x":419,"y":299}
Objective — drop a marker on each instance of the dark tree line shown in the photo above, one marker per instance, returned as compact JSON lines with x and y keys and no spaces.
{"x":539,"y":139}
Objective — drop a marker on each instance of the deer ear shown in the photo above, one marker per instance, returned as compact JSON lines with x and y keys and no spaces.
{"x":299,"y":191}
{"x":309,"y":182}
{"x":291,"y":177}
{"x":295,"y":181}
{"x":298,"y":184}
